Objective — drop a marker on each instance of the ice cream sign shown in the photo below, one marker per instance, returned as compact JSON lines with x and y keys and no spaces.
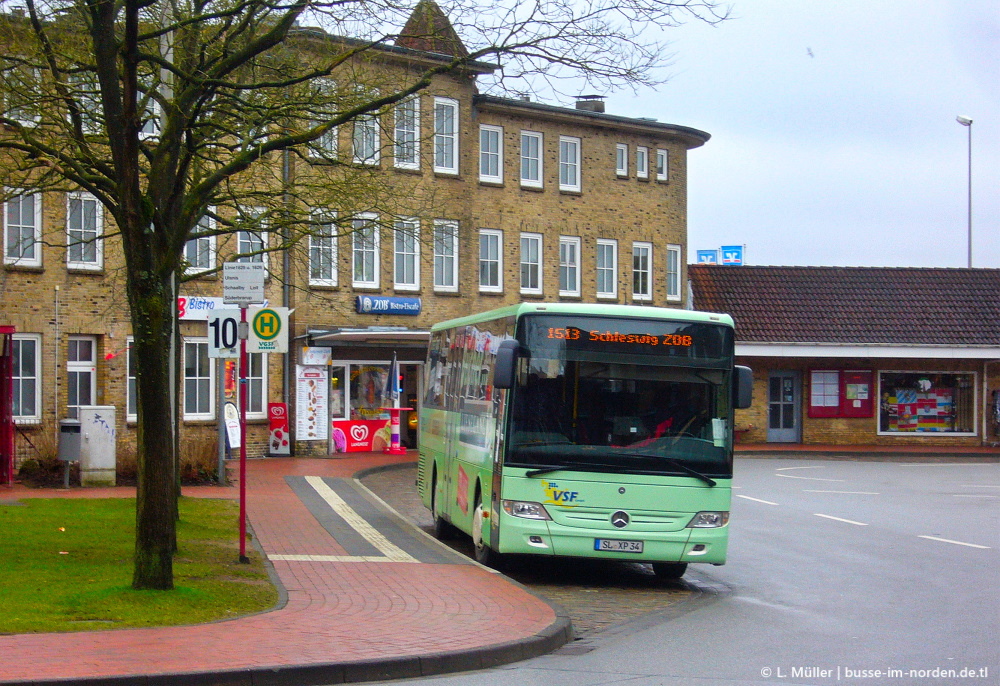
{"x":360,"y":435}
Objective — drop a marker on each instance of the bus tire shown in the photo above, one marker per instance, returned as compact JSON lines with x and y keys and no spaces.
{"x":484,"y":554}
{"x":669,"y":570}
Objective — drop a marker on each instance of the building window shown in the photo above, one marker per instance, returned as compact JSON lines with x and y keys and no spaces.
{"x":531,"y":263}
{"x":84,"y":225}
{"x":20,"y":84}
{"x":406,"y":150}
{"x":569,"y":266}
{"x":406,"y":240}
{"x":250,"y":245}
{"x":445,"y":255}
{"x":22,"y":230}
{"x":607,"y":268}
{"x":621,"y":159}
{"x":642,"y":162}
{"x":445,"y":135}
{"x":490,"y":261}
{"x":323,"y":251}
{"x":256,"y":385}
{"x":927,"y":403}
{"x":326,"y":144}
{"x":642,"y":278}
{"x":365,"y":249}
{"x":531,"y":159}
{"x":199,"y":251}
{"x":366,"y":139}
{"x":674,"y":272}
{"x":27,"y":387}
{"x":662,"y":165}
{"x":491,"y":154}
{"x":81,"y":371}
{"x":834,"y":393}
{"x":199,"y":377}
{"x":569,"y":164}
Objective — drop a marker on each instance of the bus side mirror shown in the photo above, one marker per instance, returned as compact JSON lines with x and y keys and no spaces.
{"x":506,"y":364}
{"x":743,"y":387}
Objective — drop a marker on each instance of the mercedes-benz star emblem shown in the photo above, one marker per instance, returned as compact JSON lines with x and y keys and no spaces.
{"x":619,"y":519}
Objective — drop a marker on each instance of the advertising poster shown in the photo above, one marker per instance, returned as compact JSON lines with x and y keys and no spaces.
{"x":311,"y":400}
{"x":360,"y":435}
{"x":279,"y":443}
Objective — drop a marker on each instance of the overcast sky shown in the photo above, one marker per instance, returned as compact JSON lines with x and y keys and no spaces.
{"x":834,"y":140}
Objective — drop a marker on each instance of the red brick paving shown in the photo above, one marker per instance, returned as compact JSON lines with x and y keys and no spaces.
{"x":336,"y":613}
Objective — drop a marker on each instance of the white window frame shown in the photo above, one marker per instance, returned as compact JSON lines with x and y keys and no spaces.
{"x":490,"y":153}
{"x":203,"y":414}
{"x":35,"y":259}
{"x":247,"y":239}
{"x":22,"y":113}
{"x":406,"y":133}
{"x":528,"y":160}
{"x":674,"y":270}
{"x":529,"y":262}
{"x":366,"y":141}
{"x":406,"y":254}
{"x":202,"y":245}
{"x":445,"y":256}
{"x":640,"y":248}
{"x":446,"y":136}
{"x":621,"y":159}
{"x":641,"y":162}
{"x":607,"y":270}
{"x":662,"y":164}
{"x":86,"y":93}
{"x":569,"y":266}
{"x":34,"y":378}
{"x":81,"y":366}
{"x":326,"y":145}
{"x":489,"y":259}
{"x":98,"y":230}
{"x":323,"y":249}
{"x":361,"y":246}
{"x":256,"y":385}
{"x":570,"y":164}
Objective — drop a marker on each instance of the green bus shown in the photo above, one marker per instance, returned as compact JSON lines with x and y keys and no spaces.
{"x":582,"y":430}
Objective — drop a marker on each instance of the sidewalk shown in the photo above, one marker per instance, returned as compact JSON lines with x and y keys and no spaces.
{"x":863,"y":452}
{"x":359,"y":604}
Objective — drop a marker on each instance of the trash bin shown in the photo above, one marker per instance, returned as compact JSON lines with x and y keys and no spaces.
{"x":69,"y":440}
{"x":69,"y":445}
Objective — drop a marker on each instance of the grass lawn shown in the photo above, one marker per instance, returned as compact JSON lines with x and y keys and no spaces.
{"x":66,"y":565}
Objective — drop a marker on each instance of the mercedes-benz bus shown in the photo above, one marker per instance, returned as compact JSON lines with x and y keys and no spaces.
{"x":582,"y":430}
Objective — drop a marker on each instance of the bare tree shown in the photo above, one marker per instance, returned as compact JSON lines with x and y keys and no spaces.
{"x":171,"y":112}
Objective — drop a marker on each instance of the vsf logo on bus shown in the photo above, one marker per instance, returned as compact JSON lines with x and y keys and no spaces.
{"x":558,"y":496}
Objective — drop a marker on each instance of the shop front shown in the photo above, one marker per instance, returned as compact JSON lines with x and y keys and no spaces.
{"x":344,"y":391}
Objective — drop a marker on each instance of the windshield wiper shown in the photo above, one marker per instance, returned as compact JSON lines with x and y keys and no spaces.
{"x":574,"y":466}
{"x":676,"y":463}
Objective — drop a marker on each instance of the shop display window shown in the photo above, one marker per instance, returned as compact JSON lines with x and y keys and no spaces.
{"x":837,"y":393}
{"x":925,"y":402}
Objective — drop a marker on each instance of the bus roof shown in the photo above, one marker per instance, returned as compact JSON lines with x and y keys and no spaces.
{"x":597,"y":309}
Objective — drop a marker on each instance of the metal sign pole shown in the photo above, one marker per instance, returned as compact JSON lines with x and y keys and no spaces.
{"x":243,"y":434}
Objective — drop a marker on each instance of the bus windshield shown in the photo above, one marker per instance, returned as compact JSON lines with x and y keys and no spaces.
{"x":636,"y":396}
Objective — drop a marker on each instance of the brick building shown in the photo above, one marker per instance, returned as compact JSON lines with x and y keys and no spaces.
{"x":523,"y":201}
{"x":863,"y":356}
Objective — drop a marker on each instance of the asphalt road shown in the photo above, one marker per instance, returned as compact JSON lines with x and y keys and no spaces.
{"x":839,"y":572}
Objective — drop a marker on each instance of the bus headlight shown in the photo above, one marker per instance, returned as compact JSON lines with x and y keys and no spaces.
{"x":525,"y":509}
{"x":708,"y":520}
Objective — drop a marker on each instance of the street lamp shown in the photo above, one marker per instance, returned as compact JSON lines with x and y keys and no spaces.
{"x":967,"y":123}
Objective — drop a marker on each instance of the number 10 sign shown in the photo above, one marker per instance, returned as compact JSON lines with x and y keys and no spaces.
{"x":223,"y":333}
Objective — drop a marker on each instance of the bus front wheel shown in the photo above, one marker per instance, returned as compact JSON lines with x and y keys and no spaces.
{"x":484,"y":554}
{"x":669,"y":570}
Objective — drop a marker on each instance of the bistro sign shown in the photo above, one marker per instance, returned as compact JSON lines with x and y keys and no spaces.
{"x":371,"y":304}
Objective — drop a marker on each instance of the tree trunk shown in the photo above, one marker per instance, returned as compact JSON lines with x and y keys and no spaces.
{"x":152,"y":305}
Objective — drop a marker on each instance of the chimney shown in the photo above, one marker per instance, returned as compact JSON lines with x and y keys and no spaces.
{"x":590,"y":103}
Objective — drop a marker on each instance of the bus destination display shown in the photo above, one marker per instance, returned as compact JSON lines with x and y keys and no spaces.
{"x":572,"y":333}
